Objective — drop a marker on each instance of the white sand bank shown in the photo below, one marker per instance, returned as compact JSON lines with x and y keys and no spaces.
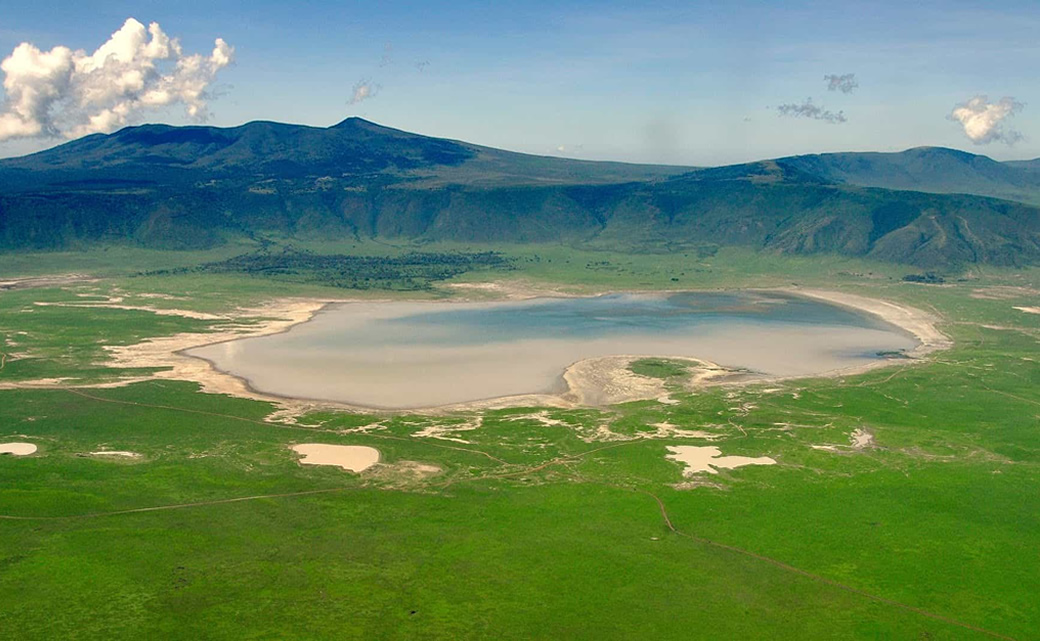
{"x":910,"y":319}
{"x":117,"y":453}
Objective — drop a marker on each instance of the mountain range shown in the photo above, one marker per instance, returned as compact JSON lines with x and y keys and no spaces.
{"x":191,"y":187}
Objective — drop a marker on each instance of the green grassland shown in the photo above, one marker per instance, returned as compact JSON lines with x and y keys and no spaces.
{"x":660,"y":368}
{"x":533,"y":528}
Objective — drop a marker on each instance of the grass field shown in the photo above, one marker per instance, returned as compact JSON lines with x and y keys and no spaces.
{"x":536,"y":527}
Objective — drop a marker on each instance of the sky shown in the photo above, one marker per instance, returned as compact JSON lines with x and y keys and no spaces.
{"x":692,"y":83}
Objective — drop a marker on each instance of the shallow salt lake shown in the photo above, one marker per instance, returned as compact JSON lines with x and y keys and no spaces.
{"x":399,"y":355}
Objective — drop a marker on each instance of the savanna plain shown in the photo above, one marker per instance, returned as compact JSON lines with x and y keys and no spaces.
{"x":160,"y":500}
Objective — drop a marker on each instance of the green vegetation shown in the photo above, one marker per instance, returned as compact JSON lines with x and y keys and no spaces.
{"x":409,"y":272}
{"x":931,"y":169}
{"x":198,"y":188}
{"x":928,"y":278}
{"x":535,"y":527}
{"x":660,"y":368}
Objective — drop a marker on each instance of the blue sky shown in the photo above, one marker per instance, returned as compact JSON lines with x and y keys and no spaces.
{"x":674,"y":82}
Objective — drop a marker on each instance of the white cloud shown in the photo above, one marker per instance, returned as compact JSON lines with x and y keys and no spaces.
{"x":845,"y":83}
{"x":363,"y":90}
{"x":983,"y":121}
{"x":69,"y":93}
{"x":811,"y":110}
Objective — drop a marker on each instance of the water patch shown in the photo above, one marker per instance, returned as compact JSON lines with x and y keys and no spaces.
{"x":405,"y":355}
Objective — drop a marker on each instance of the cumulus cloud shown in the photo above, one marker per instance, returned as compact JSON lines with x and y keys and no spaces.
{"x":983,"y":121}
{"x":845,"y":83}
{"x":70,"y":93}
{"x":363,"y":90}
{"x":809,"y":109}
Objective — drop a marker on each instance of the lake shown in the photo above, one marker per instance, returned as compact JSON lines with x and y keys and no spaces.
{"x":399,"y":355}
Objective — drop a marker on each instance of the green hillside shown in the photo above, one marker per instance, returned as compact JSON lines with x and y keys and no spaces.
{"x":197,"y":187}
{"x":930,"y":169}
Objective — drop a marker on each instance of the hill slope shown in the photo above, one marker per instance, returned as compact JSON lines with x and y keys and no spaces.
{"x":183,"y":187}
{"x":929,"y":169}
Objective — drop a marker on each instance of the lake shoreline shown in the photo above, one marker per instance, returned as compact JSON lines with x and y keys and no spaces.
{"x":583,"y":380}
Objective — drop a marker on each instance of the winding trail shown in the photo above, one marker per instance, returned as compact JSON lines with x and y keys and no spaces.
{"x":173,"y":506}
{"x":563,"y":460}
{"x":809,"y":575}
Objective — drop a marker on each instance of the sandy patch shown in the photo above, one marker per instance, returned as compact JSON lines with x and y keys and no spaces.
{"x":116,"y":453}
{"x":695,"y":483}
{"x":542,"y":418}
{"x":609,"y":380}
{"x":826,"y":448}
{"x":413,"y":470}
{"x":709,"y":458}
{"x":667,"y":430}
{"x":507,"y":290}
{"x":186,"y":313}
{"x":18,"y":449}
{"x":165,"y":351}
{"x":45,"y":281}
{"x":353,"y":458}
{"x":37,"y":382}
{"x":860,"y":439}
{"x":1003,"y":292}
{"x":1029,"y":310}
{"x":599,"y":433}
{"x":403,"y":474}
{"x":420,"y":469}
{"x":446,"y":432}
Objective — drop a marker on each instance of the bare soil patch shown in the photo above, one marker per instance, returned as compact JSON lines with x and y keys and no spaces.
{"x":709,"y":459}
{"x":18,"y":449}
{"x":353,"y":458}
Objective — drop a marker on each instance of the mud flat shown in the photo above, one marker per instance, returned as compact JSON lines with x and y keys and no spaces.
{"x":353,"y":458}
{"x":18,"y":449}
